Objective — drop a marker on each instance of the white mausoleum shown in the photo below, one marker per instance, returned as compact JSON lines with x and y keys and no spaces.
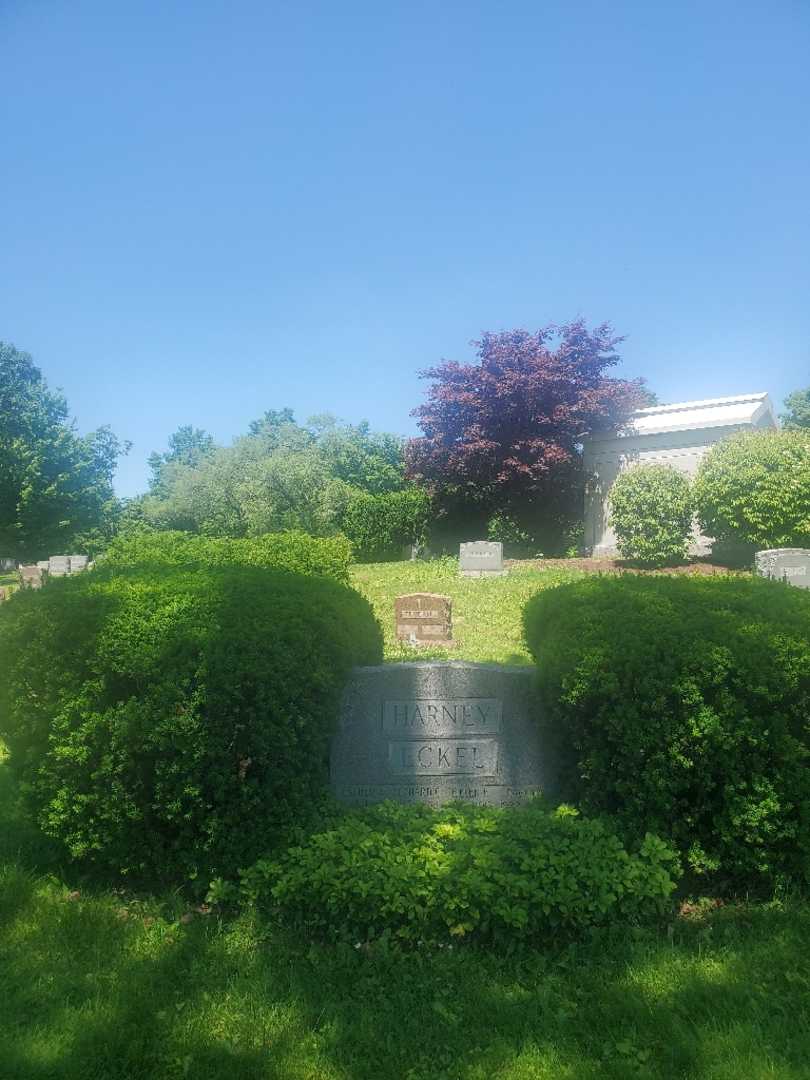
{"x":677,"y":435}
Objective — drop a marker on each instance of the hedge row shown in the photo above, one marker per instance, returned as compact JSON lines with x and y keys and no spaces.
{"x":682,"y":706}
{"x":173,"y":721}
{"x":297,"y":552}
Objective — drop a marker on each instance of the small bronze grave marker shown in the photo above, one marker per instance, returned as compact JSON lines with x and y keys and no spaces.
{"x":424,"y":618}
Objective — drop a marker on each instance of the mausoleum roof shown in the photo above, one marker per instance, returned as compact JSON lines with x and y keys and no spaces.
{"x":744,"y":409}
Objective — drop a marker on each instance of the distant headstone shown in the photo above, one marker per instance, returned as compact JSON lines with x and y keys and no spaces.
{"x":78,"y":563}
{"x":437,"y":732}
{"x":424,"y":618}
{"x":58,"y":565}
{"x":7,"y":564}
{"x":481,"y":558}
{"x":43,"y":565}
{"x":31,"y":576}
{"x":785,"y":564}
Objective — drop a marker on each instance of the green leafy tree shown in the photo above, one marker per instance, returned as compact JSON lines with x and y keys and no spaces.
{"x":187,"y":446}
{"x":55,"y":485}
{"x":797,"y":414}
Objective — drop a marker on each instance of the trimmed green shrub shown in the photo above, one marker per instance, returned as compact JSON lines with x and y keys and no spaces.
{"x":417,"y":875}
{"x":379,"y":526}
{"x":682,"y":706}
{"x":651,"y":514}
{"x":295,"y":551}
{"x":754,"y":489}
{"x":173,"y":722}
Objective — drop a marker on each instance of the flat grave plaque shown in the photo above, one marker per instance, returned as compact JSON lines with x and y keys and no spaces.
{"x":785,"y":564}
{"x":437,"y":732}
{"x":424,"y":618}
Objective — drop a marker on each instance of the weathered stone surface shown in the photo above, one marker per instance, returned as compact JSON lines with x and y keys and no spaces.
{"x":785,"y":564}
{"x":481,"y":558}
{"x":7,"y":563}
{"x":437,"y":732}
{"x":43,"y":565}
{"x":424,"y":618}
{"x":78,"y":562}
{"x":31,"y":576}
{"x":59,"y":565}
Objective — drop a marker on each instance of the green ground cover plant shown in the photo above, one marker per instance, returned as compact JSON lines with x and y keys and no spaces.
{"x":152,"y":712}
{"x":486,"y":612}
{"x":101,"y":984}
{"x":681,"y":706}
{"x":417,"y":876}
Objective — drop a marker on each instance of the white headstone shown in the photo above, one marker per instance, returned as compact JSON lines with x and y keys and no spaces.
{"x":481,"y":558}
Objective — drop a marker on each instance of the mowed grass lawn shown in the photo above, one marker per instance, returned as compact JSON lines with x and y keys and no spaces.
{"x":486,"y":611}
{"x":97,"y":984}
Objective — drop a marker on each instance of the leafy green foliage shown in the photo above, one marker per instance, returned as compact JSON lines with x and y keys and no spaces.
{"x":379,"y":526}
{"x":55,"y":485}
{"x":797,"y":412}
{"x":294,"y":551}
{"x":173,"y":721}
{"x":423,"y":876}
{"x":754,"y":489}
{"x":282,"y":475}
{"x":651,"y":513}
{"x":681,"y":706}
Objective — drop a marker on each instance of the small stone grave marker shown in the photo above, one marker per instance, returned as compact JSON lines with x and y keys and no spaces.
{"x":31,"y":576}
{"x":481,"y":558}
{"x":7,"y":563}
{"x":78,"y":563}
{"x":436,"y":732}
{"x":43,"y":565}
{"x":424,"y":618}
{"x":59,"y":565}
{"x":785,"y":564}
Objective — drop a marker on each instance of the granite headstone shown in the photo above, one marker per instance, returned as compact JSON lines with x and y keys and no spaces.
{"x":785,"y":564}
{"x":31,"y":576}
{"x":78,"y":563}
{"x":437,"y":732}
{"x":424,"y":618}
{"x":59,"y":565}
{"x":481,"y":558}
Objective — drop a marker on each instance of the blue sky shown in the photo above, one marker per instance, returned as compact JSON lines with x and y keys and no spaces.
{"x":212,"y":209}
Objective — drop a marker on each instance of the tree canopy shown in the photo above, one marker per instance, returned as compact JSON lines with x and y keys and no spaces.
{"x":281,"y":475}
{"x":797,"y":410}
{"x":505,"y":432}
{"x":55,"y":485}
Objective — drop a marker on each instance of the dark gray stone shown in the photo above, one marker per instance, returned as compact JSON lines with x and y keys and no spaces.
{"x":424,"y":618}
{"x":481,"y":558}
{"x":785,"y":564}
{"x":438,"y":732}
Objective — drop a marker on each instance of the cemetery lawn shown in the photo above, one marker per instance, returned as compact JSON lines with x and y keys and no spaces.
{"x":102,"y":985}
{"x":486,"y":611}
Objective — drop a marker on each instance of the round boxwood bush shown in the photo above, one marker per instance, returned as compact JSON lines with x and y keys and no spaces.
{"x":295,"y":551}
{"x":651,"y":514}
{"x":421,"y":876}
{"x":753,"y":489}
{"x":173,"y":722}
{"x":682,"y":706}
{"x":379,"y":526}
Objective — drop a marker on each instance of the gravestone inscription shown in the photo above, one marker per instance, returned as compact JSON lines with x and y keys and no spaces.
{"x":481,"y":558}
{"x":438,"y":732}
{"x":785,"y":564}
{"x":424,"y":618}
